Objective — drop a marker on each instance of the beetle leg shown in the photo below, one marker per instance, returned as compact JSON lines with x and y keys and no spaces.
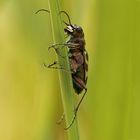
{"x":77,"y":107}
{"x":53,"y":66}
{"x":57,"y":44}
{"x":54,"y":46}
{"x":76,"y":110}
{"x":57,"y":49}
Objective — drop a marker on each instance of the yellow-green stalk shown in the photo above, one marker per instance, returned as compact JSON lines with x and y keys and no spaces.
{"x":65,"y":77}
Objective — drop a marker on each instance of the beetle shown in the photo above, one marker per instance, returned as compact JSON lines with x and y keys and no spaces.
{"x":78,"y":59}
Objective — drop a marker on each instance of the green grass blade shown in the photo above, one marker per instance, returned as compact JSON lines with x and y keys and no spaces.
{"x":65,"y":77}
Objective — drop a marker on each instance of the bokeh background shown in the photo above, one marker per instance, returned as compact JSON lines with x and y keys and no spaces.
{"x":30,"y":100}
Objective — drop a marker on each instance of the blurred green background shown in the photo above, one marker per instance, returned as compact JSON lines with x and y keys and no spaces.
{"x":30,"y":100}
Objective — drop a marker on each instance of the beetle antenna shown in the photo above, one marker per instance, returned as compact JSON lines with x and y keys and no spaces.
{"x":45,"y":10}
{"x":67,"y":17}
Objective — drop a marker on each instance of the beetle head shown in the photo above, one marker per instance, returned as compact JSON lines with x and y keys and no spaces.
{"x":74,"y":30}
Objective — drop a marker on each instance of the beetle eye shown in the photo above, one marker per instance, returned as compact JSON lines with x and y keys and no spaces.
{"x":79,"y":29}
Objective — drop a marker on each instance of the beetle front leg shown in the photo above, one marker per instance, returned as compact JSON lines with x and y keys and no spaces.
{"x":63,"y":44}
{"x":57,"y":44}
{"x":57,"y":49}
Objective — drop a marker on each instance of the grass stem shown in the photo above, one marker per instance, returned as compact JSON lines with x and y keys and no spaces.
{"x":65,"y":77}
